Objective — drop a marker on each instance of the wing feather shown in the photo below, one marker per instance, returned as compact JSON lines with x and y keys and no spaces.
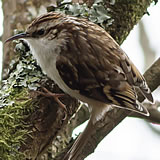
{"x":103,"y":71}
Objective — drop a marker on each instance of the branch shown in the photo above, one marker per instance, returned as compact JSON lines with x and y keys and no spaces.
{"x":152,"y":76}
{"x":148,"y":51}
{"x":153,"y":110}
{"x":125,"y":15}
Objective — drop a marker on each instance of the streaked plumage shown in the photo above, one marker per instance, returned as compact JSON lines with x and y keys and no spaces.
{"x":85,"y":61}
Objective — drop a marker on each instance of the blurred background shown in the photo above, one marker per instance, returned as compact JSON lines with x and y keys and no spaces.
{"x":132,"y":139}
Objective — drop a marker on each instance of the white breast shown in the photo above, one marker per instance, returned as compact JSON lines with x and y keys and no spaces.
{"x":46,"y":55}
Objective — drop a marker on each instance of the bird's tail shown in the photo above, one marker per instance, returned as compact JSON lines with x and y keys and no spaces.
{"x":76,"y":150}
{"x":146,"y":91}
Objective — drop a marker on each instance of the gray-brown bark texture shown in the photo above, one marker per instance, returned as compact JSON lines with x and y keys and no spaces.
{"x":17,"y":15}
{"x":47,"y":123}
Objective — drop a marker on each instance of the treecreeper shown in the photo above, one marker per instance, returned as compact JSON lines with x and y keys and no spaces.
{"x":86,"y":63}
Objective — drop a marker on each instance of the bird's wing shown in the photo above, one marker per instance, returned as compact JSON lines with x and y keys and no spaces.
{"x":95,"y":65}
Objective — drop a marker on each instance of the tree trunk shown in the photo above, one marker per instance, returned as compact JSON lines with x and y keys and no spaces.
{"x":17,"y":16}
{"x":40,"y":119}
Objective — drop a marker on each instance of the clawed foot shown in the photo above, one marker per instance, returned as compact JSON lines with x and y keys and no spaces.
{"x":55,"y":96}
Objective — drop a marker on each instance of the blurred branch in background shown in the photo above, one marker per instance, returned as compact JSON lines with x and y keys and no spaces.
{"x":149,"y":52}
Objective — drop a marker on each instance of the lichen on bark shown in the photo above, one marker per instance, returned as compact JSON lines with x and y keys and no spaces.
{"x":16,"y":105}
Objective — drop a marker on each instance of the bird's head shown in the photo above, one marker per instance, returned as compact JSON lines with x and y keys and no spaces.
{"x":42,"y":28}
{"x":45,"y":33}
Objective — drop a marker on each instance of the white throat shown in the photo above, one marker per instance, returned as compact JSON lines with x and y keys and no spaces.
{"x":46,"y":54}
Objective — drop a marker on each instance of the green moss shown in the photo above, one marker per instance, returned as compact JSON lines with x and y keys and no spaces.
{"x":12,"y":126}
{"x":16,"y":103}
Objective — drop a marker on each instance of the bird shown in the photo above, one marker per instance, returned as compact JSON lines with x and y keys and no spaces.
{"x":86,"y":63}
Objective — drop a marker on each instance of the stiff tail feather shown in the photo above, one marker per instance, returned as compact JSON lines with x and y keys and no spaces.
{"x":146,"y":92}
{"x":77,"y":147}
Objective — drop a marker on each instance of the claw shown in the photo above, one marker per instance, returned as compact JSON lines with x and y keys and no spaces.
{"x":56,"y":97}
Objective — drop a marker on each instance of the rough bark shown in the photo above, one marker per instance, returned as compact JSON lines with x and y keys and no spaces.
{"x":46,"y":122}
{"x":126,"y":14}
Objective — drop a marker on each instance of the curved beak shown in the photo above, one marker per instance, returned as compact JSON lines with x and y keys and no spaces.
{"x":17,"y":36}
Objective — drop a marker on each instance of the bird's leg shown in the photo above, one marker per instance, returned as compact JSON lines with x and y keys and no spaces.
{"x":55,"y":96}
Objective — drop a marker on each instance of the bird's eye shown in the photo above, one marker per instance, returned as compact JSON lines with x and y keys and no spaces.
{"x":40,"y":32}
